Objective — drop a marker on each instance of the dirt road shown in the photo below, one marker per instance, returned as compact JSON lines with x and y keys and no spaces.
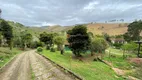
{"x":30,"y":63}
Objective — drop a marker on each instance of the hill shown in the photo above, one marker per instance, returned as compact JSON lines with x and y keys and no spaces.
{"x":96,"y":28}
{"x":109,"y":28}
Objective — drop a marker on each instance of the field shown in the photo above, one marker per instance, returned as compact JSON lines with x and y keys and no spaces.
{"x":89,"y":70}
{"x":109,"y":28}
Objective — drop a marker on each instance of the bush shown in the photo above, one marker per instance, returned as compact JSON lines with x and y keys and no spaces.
{"x":117,"y":45}
{"x":39,"y":49}
{"x":52,"y":50}
{"x":48,"y":47}
{"x":37,"y":44}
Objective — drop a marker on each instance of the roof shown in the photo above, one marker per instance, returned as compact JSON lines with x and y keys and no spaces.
{"x":117,"y":39}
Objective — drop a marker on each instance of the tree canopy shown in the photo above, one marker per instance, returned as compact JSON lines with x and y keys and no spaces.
{"x":6,"y":31}
{"x":47,"y":38}
{"x":26,"y":38}
{"x":130,"y":46}
{"x":79,"y":39}
{"x":98,"y":45}
{"x":133,"y":32}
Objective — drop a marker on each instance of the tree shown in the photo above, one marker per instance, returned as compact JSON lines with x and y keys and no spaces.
{"x":7,"y":32}
{"x":129,"y":47}
{"x":36,"y":44}
{"x":47,"y":38}
{"x":1,"y":37}
{"x":133,"y":32}
{"x":90,"y":34}
{"x":107,"y":37}
{"x":59,"y":40}
{"x":26,"y":39}
{"x":98,"y":45}
{"x":79,"y":39}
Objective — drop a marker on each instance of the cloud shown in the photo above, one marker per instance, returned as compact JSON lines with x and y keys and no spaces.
{"x":69,"y":12}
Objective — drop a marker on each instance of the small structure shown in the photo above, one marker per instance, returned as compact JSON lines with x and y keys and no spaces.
{"x":139,"y":47}
{"x":117,"y":40}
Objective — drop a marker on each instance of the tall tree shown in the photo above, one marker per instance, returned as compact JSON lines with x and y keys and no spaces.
{"x":47,"y":38}
{"x":133,"y":32}
{"x":107,"y":37}
{"x":79,"y":39}
{"x":7,"y":32}
{"x":26,"y":39}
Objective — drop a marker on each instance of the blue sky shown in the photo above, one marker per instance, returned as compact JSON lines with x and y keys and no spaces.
{"x":69,"y":12}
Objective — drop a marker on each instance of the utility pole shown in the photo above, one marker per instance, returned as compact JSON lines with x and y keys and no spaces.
{"x":139,"y":47}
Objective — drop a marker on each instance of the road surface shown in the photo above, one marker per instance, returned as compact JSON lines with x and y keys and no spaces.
{"x":30,"y":63}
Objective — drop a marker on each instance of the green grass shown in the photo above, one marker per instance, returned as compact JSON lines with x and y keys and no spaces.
{"x":119,"y":53}
{"x":89,"y":70}
{"x":6,"y":55}
{"x":119,"y":62}
{"x":33,"y":74}
{"x":116,"y":51}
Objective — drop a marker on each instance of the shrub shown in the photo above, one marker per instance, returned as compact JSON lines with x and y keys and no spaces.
{"x":117,"y":45}
{"x":39,"y":49}
{"x":48,"y":47}
{"x":52,"y":49}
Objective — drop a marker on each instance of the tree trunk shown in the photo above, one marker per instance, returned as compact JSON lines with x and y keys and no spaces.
{"x":10,"y":44}
{"x":25,"y":45}
{"x":62,"y":52}
{"x":123,"y":54}
{"x":61,"y":49}
{"x":92,"y":53}
{"x":138,"y":55}
{"x":58,"y":48}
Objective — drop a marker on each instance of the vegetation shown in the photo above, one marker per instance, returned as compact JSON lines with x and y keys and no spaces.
{"x":39,"y":49}
{"x":47,"y":38}
{"x":7,"y":54}
{"x":117,"y":45}
{"x":98,"y":45}
{"x":26,"y":39}
{"x":78,"y":39}
{"x":138,"y":72}
{"x":59,"y":41}
{"x":134,"y":30}
{"x":89,"y":70}
{"x":107,"y":37}
{"x":130,"y":47}
{"x":6,"y":31}
{"x":52,"y":50}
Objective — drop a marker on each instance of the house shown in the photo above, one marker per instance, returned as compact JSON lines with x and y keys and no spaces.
{"x":118,"y":40}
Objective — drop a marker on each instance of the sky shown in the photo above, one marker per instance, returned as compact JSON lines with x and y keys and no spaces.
{"x":69,"y":12}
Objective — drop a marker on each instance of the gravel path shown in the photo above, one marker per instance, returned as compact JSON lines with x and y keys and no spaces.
{"x":20,"y":68}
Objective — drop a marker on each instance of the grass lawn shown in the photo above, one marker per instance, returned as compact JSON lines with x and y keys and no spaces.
{"x":117,"y":60}
{"x":89,"y":70}
{"x":118,"y":52}
{"x":6,"y":55}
